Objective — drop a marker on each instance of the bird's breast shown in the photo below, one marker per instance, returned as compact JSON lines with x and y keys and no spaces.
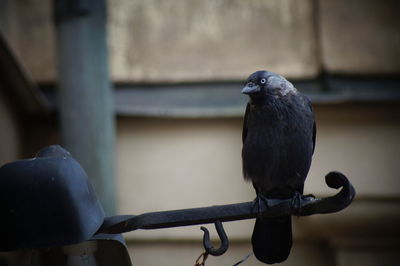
{"x":277,"y":150}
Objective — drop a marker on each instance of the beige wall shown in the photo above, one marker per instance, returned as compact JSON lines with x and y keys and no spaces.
{"x":180,"y":40}
{"x":185,"y":253}
{"x":176,"y":40}
{"x":204,"y":156}
{"x":359,"y":36}
{"x":170,"y":164}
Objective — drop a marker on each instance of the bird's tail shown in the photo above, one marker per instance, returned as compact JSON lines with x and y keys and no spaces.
{"x":272,"y":239}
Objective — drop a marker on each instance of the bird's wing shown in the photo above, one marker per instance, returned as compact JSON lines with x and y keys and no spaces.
{"x":313,"y":137}
{"x":244,"y":132}
{"x":314,"y":125}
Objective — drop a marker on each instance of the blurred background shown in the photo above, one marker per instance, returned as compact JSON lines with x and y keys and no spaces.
{"x":146,"y":96}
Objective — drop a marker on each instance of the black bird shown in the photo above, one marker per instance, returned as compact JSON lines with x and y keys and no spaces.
{"x":278,"y":143}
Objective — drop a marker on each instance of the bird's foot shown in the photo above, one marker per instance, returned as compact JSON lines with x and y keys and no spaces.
{"x":296,"y":201}
{"x":261,"y":203}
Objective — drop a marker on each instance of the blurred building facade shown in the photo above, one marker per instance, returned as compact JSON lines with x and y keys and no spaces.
{"x":177,"y":67}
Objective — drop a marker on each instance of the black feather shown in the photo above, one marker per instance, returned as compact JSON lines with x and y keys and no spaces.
{"x":272,"y":239}
{"x":278,"y":143}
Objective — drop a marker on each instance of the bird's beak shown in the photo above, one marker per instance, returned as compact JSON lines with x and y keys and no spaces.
{"x":250,"y":88}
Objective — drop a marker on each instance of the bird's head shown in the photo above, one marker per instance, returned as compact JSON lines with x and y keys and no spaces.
{"x":262,"y":83}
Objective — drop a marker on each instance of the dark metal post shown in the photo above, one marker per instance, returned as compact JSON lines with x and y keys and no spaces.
{"x":85,"y":92}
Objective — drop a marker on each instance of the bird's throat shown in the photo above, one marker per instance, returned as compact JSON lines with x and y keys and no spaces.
{"x":257,"y":99}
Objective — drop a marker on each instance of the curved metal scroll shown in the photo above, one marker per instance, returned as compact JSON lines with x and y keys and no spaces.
{"x":334,"y":203}
{"x":222,"y":236}
{"x":239,"y":211}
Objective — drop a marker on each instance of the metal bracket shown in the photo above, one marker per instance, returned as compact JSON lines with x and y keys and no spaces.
{"x":309,"y":205}
{"x":222,"y":236}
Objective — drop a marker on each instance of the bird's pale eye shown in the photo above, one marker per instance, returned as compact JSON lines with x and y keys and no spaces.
{"x":263,"y":81}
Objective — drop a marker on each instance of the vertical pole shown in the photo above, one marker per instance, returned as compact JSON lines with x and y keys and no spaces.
{"x":85,"y":94}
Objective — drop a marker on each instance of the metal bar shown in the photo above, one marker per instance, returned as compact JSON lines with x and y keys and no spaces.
{"x":307,"y":205}
{"x":85,"y":95}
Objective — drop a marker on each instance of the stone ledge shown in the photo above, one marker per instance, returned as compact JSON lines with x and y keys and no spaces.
{"x":223,"y":99}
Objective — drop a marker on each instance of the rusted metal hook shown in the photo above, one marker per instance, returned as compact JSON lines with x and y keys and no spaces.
{"x":222,"y":236}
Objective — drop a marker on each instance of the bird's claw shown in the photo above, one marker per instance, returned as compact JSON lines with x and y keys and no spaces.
{"x":296,"y":203}
{"x":261,"y":203}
